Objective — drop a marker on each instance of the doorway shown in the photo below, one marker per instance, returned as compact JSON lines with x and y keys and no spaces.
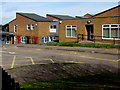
{"x":90,"y":32}
{"x":27,"y":39}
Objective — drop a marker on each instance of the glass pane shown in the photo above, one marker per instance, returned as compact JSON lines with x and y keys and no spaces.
{"x":68,"y":32}
{"x":106,"y":32}
{"x":32,"y":26}
{"x":114,"y":32}
{"x":114,"y":25}
{"x":105,"y":25}
{"x":74,"y":26}
{"x":51,"y":27}
{"x":74,"y":33}
{"x":54,"y":26}
{"x":68,"y":26}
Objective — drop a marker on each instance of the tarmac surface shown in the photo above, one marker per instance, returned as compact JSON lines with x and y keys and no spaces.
{"x":25,"y":54}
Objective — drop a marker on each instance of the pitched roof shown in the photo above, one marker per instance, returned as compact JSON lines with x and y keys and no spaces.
{"x":82,"y":17}
{"x":35,"y":17}
{"x":61,"y":17}
{"x":107,"y":10}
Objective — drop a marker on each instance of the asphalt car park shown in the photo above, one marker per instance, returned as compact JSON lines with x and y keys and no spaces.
{"x":13,"y":56}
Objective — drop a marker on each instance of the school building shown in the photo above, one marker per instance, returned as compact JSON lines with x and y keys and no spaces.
{"x":31,"y":28}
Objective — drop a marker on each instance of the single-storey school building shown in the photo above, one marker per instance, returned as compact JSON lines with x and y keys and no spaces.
{"x":103,"y":26}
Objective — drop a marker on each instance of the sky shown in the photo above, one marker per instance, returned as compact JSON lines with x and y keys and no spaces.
{"x":8,"y":9}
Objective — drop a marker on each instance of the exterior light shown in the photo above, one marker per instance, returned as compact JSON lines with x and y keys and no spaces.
{"x":60,"y":22}
{"x":89,"y":22}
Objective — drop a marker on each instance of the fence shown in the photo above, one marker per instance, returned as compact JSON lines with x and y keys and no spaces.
{"x":95,"y":39}
{"x":9,"y":83}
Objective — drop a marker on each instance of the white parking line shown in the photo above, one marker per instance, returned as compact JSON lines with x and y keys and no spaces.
{"x":11,"y":52}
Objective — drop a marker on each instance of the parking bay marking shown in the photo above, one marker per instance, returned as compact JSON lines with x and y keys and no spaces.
{"x":31,"y":60}
{"x":13,"y":61}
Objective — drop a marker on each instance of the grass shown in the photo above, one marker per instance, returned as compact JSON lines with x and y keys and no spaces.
{"x":75,"y":44}
{"x":102,"y":81}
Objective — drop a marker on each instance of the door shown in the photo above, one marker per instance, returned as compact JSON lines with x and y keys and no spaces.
{"x":27,"y":39}
{"x":90,"y":32}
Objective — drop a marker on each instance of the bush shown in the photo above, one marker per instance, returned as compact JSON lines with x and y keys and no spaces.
{"x":74,"y":44}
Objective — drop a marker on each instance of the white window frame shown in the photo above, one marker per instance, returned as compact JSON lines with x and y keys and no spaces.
{"x":23,"y":39}
{"x":15,"y":28}
{"x":71,"y":31}
{"x":32,"y":26}
{"x":110,"y":31}
{"x":28,"y":26}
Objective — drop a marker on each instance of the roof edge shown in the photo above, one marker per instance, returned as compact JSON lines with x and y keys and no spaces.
{"x":52,"y":15}
{"x":106,"y":10}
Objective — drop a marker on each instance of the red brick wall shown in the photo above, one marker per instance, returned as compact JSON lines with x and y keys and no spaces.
{"x":21,"y":21}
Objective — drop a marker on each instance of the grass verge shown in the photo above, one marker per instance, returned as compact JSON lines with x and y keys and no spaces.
{"x":102,"y":81}
{"x":75,"y":44}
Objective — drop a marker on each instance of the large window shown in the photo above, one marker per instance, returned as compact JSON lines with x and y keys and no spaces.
{"x":110,"y":31}
{"x":15,"y":28}
{"x":71,"y":31}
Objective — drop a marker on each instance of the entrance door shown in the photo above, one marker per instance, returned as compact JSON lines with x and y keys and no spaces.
{"x":27,"y":39}
{"x":90,"y":32}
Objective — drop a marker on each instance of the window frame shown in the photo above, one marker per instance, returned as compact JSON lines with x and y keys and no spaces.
{"x":71,"y":27}
{"x":28,"y":26}
{"x":23,"y":39}
{"x":15,"y":28}
{"x":110,"y":31}
{"x":32,"y":26}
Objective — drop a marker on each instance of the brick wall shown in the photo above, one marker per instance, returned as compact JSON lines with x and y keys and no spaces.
{"x":41,"y":28}
{"x":110,"y":12}
{"x":81,"y":26}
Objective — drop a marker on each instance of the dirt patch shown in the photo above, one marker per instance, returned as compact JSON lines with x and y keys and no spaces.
{"x":40,"y":72}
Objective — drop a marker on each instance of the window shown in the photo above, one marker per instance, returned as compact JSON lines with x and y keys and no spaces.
{"x":15,"y":28}
{"x":106,"y":32}
{"x":53,"y":27}
{"x":111,"y":31}
{"x":71,"y":30}
{"x":23,"y":39}
{"x":32,"y":26}
{"x":28,"y":26}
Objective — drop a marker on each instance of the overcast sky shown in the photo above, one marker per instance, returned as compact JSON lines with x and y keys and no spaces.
{"x":9,"y":9}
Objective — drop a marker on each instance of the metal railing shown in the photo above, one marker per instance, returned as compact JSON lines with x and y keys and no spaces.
{"x":94,"y":38}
